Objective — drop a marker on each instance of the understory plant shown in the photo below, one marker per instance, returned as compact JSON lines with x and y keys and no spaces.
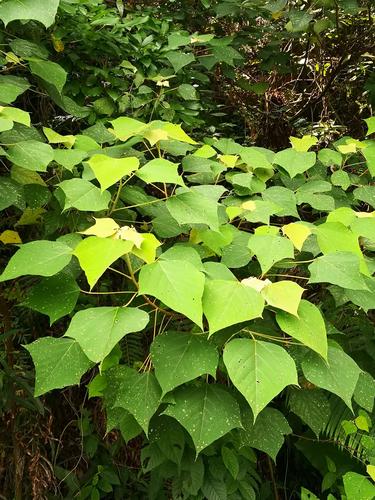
{"x":206,"y":287}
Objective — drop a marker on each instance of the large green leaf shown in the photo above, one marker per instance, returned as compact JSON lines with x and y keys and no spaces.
{"x":294,"y":162}
{"x":335,"y":237}
{"x":109,"y":170}
{"x":285,"y":295}
{"x":43,"y":11}
{"x":84,"y":196}
{"x":270,"y":249}
{"x":95,"y":255}
{"x":38,"y":258}
{"x":339,"y":268}
{"x":358,"y":487}
{"x":55,"y":296}
{"x":259,"y":370}
{"x":227,"y":302}
{"x":308,"y":327}
{"x":207,"y":412}
{"x":140,"y":394}
{"x":32,"y":155}
{"x":179,"y":59}
{"x":58,"y":363}
{"x":160,"y":170}
{"x":11,"y":87}
{"x":191,"y":207}
{"x":267,"y":433}
{"x":179,"y":357}
{"x":339,"y":375}
{"x":113,"y":323}
{"x":177,"y":283}
{"x":50,"y":72}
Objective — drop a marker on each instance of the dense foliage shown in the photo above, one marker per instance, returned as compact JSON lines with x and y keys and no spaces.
{"x":187,"y":250}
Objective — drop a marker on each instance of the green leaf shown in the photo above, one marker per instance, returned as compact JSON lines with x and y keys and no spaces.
{"x":50,"y":72}
{"x":180,"y":357}
{"x":363,"y":298}
{"x":294,"y":162}
{"x":366,"y":194}
{"x":358,"y":487}
{"x":339,"y":268}
{"x":37,"y":258}
{"x":178,"y":59}
{"x":370,"y":122}
{"x":55,"y":296}
{"x":160,"y":170}
{"x":11,"y":87}
{"x":124,"y":128}
{"x":207,"y":412}
{"x":303,"y":144}
{"x":312,"y":407}
{"x":178,"y":284}
{"x":270,"y":249}
{"x":110,"y":170}
{"x":369,"y":154}
{"x":187,"y":92}
{"x":284,"y":198}
{"x":230,"y":461}
{"x":112,"y":322}
{"x":308,"y":327}
{"x":339,"y":376}
{"x":335,"y":237}
{"x":95,"y":255}
{"x":43,"y":11}
{"x":32,"y":155}
{"x":267,"y":433}
{"x":248,"y":363}
{"x":58,"y":363}
{"x":69,"y":158}
{"x":191,"y":207}
{"x":10,"y":193}
{"x":341,"y":178}
{"x":84,"y":196}
{"x":365,"y":391}
{"x":329,"y":157}
{"x":140,"y":394}
{"x":285,"y":295}
{"x":227,"y":303}
{"x":15,"y":115}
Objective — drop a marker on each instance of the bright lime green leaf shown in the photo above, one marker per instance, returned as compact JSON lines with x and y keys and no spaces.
{"x":267,"y":433}
{"x":335,"y":237}
{"x":370,"y":469}
{"x":32,"y":155}
{"x":147,"y":249}
{"x":55,"y":296}
{"x":270,"y":249}
{"x":178,"y":284}
{"x":308,"y":327}
{"x":176,"y":132}
{"x":285,"y":295}
{"x":55,"y":138}
{"x":58,"y":363}
{"x":369,"y":154}
{"x":341,"y":178}
{"x":103,"y":228}
{"x":140,"y":394}
{"x":50,"y":72}
{"x":84,"y":196}
{"x":358,"y":487}
{"x":95,"y":255}
{"x":345,"y":215}
{"x":160,"y":170}
{"x":309,"y":495}
{"x":113,"y":323}
{"x":370,"y":122}
{"x":216,"y":240}
{"x":339,"y":268}
{"x":259,"y":370}
{"x":303,"y":144}
{"x":124,"y":128}
{"x":257,"y":157}
{"x":207,"y":412}
{"x":339,"y":375}
{"x":69,"y":158}
{"x":38,"y":258}
{"x":109,"y":170}
{"x":227,"y":303}
{"x":5,"y":124}
{"x":15,"y":115}
{"x":191,"y":207}
{"x":312,"y":407}
{"x":43,"y":11}
{"x":364,"y":226}
{"x":297,"y":232}
{"x":362,"y":423}
{"x":180,"y":357}
{"x":294,"y":162}
{"x":205,"y":151}
{"x":11,"y":87}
